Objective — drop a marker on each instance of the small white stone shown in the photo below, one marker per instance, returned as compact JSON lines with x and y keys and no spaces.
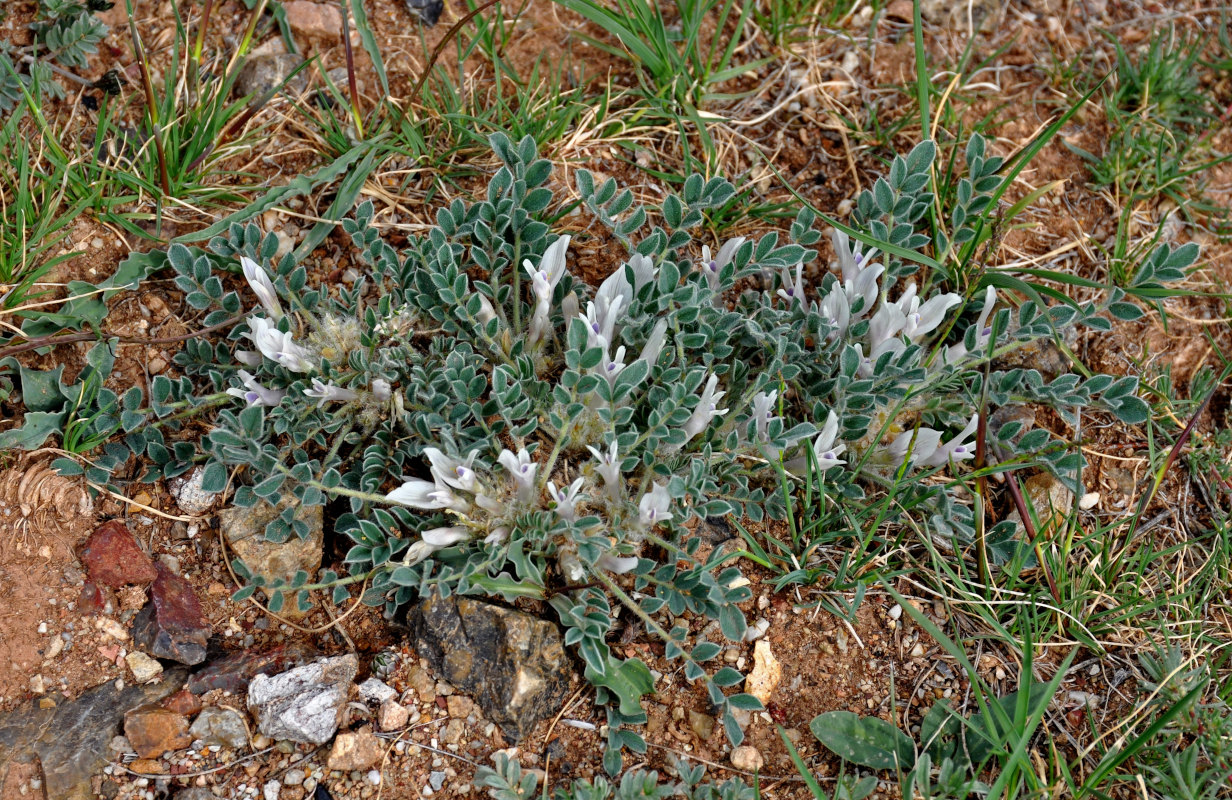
{"x":376,"y":691}
{"x":374,"y":777}
{"x":112,"y":628}
{"x":1089,"y":501}
{"x":144,"y":668}
{"x":271,"y":790}
{"x":896,"y":611}
{"x":42,"y":628}
{"x":747,"y":758}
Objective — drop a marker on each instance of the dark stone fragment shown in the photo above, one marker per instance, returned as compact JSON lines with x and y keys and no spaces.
{"x":113,"y":558}
{"x":428,"y":11}
{"x":263,"y":75}
{"x":172,"y":625}
{"x":512,"y":664}
{"x":233,"y":672}
{"x":72,"y":739}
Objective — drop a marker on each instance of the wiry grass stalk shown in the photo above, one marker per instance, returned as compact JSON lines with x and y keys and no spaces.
{"x":151,"y":102}
{"x":352,"y":85}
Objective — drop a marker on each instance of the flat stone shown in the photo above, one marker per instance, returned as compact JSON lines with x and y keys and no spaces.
{"x":392,"y":716}
{"x":195,"y":793}
{"x":72,"y":739}
{"x":188,"y":492}
{"x":459,"y":707}
{"x":244,"y":529}
{"x":221,"y":726}
{"x":144,"y":668}
{"x":303,"y":704}
{"x":183,"y":702}
{"x":153,"y":730}
{"x":233,"y":672}
{"x":376,"y":691}
{"x":514,"y":665}
{"x":147,"y":766}
{"x":766,"y":674}
{"x":702,"y":725}
{"x":314,"y":20}
{"x":113,"y":558}
{"x":172,"y":625}
{"x":358,"y":750}
{"x":1050,"y":499}
{"x":747,"y":758}
{"x":263,"y":75}
{"x":428,"y":11}
{"x":422,"y":683}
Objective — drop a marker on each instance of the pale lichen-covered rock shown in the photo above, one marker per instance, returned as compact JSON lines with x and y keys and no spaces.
{"x":303,"y":704}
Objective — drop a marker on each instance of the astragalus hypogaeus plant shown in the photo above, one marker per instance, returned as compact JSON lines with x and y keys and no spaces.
{"x":498,"y":427}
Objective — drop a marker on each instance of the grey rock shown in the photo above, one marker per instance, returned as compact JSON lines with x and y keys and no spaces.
{"x":220,"y":726}
{"x":437,"y":779}
{"x":303,"y":704}
{"x":195,"y":793}
{"x":376,"y":691}
{"x":428,"y":11}
{"x":514,"y":665}
{"x":188,"y":492}
{"x":73,"y":739}
{"x":265,"y":74}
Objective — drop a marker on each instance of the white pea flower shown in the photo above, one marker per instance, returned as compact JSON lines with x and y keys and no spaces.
{"x":262,"y":286}
{"x":415,"y":493}
{"x":956,"y":352}
{"x":569,"y":306}
{"x":826,"y":454}
{"x":837,"y":309}
{"x":608,"y":466}
{"x":793,"y":289}
{"x":566,"y":499}
{"x":601,"y":317}
{"x":489,"y":504}
{"x":913,"y":446}
{"x":957,"y":449}
{"x":763,"y":412}
{"x":609,"y":368}
{"x":444,"y":537}
{"x":707,"y":409}
{"x":654,"y":344}
{"x":617,"y":565}
{"x":254,"y":393}
{"x":248,"y":358}
{"x":486,"y":312}
{"x":329,"y":393}
{"x":447,"y":499}
{"x":278,"y":346}
{"x":497,"y":536}
{"x":655,"y":506}
{"x":522,"y":470}
{"x":921,"y":319}
{"x":852,"y":258}
{"x":543,"y":281}
{"x":713,"y":268}
{"x":452,"y":472}
{"x":381,"y":390}
{"x":863,"y":287}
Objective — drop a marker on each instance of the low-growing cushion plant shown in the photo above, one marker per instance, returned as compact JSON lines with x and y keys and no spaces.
{"x":491,"y":425}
